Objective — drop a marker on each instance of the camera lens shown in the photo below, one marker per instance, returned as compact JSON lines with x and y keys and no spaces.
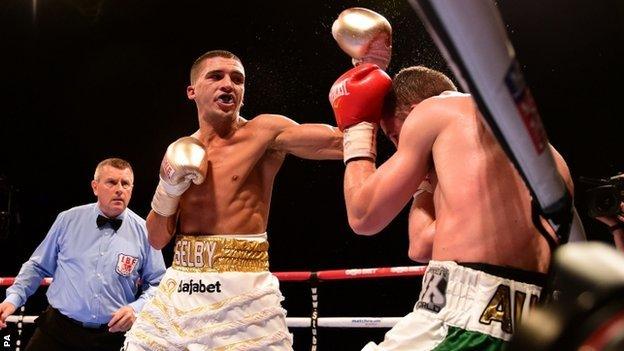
{"x":603,"y":201}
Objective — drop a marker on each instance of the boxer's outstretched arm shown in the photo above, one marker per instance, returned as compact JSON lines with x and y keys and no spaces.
{"x":375,"y":196}
{"x":309,"y":141}
{"x":160,"y":229}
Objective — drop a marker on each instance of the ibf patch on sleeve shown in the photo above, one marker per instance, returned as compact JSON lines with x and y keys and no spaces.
{"x":433,"y":294}
{"x":126,"y":264}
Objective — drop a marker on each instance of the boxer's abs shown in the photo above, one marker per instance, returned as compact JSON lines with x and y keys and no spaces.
{"x":229,"y":202}
{"x":244,"y":215}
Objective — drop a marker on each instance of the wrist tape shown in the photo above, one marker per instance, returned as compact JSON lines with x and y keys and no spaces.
{"x":360,"y":140}
{"x":163,"y":203}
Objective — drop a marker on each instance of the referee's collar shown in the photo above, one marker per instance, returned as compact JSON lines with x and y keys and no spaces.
{"x":98,"y":211}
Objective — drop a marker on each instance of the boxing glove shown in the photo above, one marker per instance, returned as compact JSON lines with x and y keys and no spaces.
{"x":364,"y":35}
{"x":183,"y":163}
{"x":357,"y":99}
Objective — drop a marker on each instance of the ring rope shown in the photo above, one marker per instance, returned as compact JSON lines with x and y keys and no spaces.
{"x":292,"y":322}
{"x":300,"y":276}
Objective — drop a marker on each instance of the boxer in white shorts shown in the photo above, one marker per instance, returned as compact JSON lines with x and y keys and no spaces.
{"x":219,"y":181}
{"x":469,"y":204}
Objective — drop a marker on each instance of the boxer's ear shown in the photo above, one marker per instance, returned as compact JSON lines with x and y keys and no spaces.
{"x":190,"y":92}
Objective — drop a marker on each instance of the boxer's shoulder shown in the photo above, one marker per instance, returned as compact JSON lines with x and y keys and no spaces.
{"x":271,"y":122}
{"x":452,"y":94}
{"x":446,"y":100}
{"x":440,"y":109}
{"x":426,"y":115}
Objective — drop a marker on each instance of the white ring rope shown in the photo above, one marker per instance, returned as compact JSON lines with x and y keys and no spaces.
{"x":293,"y":322}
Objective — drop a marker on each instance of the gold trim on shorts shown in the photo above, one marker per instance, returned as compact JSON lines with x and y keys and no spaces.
{"x":207,"y":253}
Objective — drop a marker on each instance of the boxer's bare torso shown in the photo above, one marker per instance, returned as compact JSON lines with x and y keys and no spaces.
{"x":236,"y":195}
{"x":242,"y":158}
{"x":481,"y":208}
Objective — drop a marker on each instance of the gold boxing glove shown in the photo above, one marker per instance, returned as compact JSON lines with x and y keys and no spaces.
{"x":364,"y":35}
{"x":183,"y":163}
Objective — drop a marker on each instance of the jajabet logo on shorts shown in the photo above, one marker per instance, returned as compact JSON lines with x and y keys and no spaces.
{"x":199,"y":287}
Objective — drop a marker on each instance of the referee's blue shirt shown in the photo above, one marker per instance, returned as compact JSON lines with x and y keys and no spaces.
{"x":96,"y":270}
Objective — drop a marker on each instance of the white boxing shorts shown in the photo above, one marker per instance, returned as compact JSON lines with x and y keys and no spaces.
{"x":218,"y":295}
{"x":461,"y":307}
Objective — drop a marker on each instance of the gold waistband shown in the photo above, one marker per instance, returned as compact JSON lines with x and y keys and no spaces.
{"x":208,"y":253}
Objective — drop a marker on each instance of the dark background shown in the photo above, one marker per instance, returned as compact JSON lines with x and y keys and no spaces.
{"x":83,"y":80}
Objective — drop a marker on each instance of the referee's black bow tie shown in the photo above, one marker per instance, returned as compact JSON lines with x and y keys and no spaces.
{"x":115,"y":223}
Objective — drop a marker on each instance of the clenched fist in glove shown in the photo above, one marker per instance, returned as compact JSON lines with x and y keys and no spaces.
{"x":357,"y":99}
{"x":183,"y":163}
{"x":364,"y":35}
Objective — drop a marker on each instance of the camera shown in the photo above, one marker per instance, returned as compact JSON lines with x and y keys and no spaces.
{"x":605,"y":195}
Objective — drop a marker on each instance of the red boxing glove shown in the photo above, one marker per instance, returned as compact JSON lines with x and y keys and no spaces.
{"x":357,"y":98}
{"x":358,"y":95}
